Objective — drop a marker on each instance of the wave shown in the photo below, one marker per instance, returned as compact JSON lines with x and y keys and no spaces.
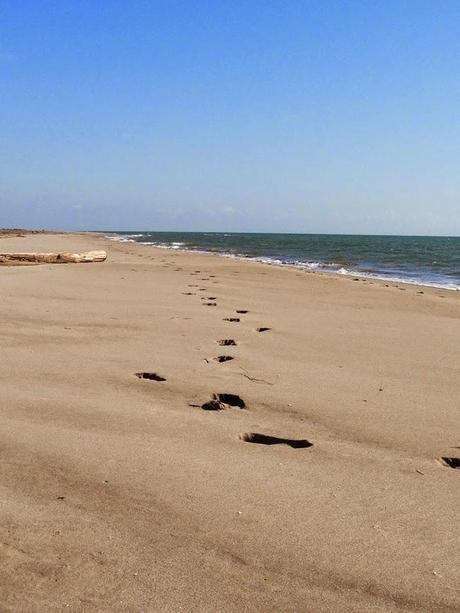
{"x":340,"y":268}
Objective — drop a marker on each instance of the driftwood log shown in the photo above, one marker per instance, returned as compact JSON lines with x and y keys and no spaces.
{"x":53,"y":258}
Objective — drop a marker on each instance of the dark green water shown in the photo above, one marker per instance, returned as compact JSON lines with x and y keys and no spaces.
{"x":416,"y":259}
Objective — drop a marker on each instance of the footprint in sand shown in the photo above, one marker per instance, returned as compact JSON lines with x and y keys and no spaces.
{"x":223,"y":358}
{"x":227,"y":342}
{"x":220,"y":402}
{"x":242,"y":311}
{"x":264,"y":439}
{"x":232,"y":319}
{"x":150,"y":376}
{"x":262,"y":329}
{"x":451,"y":462}
{"x":209,"y":303}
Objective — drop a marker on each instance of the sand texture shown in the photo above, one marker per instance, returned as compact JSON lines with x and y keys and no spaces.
{"x":139,"y":473}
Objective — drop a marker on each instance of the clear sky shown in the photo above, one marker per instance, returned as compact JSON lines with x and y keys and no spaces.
{"x":242,"y":115}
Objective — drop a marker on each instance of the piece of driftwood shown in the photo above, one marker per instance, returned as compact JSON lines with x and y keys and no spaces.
{"x":53,"y":258}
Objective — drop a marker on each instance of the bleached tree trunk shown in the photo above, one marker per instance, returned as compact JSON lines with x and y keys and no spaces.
{"x":54,"y":258}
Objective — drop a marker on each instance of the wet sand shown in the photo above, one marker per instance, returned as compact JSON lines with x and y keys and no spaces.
{"x":121,"y":493}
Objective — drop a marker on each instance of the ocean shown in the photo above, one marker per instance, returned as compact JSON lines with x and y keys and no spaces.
{"x":424,"y":260}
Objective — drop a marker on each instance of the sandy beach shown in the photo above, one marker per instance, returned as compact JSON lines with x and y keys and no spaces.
{"x":122,"y":493}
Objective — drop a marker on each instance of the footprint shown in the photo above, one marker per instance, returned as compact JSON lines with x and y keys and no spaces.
{"x":451,"y":462}
{"x":264,"y":439}
{"x":226,"y":342}
{"x":224,"y":358}
{"x":262,"y":329}
{"x":188,"y":294}
{"x":219,"y":402}
{"x":241,"y":311}
{"x":232,"y":319}
{"x":209,"y":303}
{"x":151,"y":376}
{"x":213,"y":405}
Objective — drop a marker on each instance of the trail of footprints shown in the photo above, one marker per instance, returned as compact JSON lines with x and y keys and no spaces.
{"x":224,"y":401}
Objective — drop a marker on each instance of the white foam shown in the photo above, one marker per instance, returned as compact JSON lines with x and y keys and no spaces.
{"x":330,"y":268}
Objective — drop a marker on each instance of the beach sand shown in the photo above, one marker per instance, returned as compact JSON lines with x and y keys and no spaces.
{"x":123,"y":494}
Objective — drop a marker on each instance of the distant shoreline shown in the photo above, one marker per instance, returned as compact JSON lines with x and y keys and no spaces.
{"x":232,"y":245}
{"x":314,"y":267}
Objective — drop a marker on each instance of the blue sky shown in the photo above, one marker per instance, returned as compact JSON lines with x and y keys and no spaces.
{"x":313,"y":116}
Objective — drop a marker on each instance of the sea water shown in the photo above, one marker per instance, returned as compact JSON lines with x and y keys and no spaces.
{"x":424,"y":260}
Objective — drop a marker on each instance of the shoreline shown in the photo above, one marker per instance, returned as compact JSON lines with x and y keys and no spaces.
{"x":302,"y":267}
{"x":124,"y":492}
